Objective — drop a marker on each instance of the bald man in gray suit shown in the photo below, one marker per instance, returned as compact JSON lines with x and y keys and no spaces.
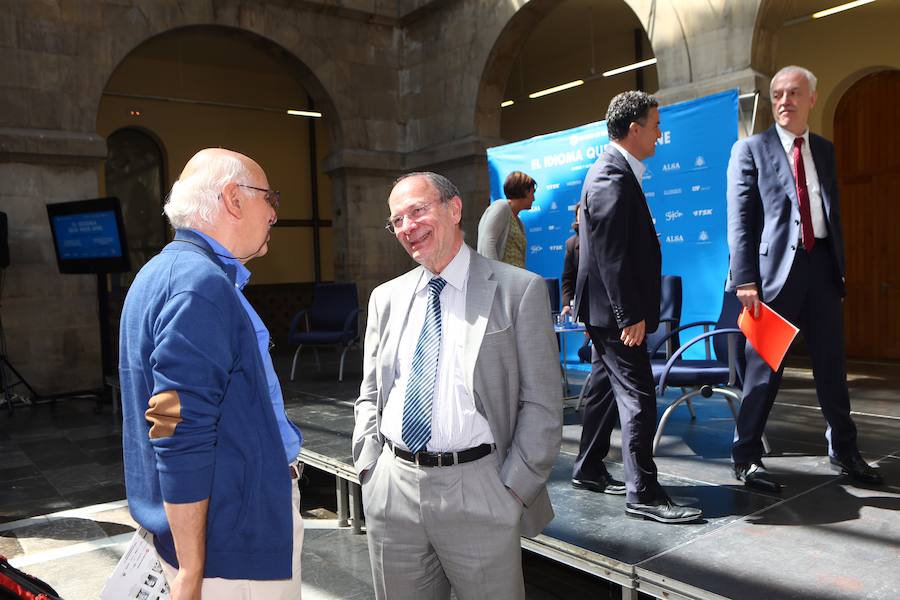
{"x":459,"y":417}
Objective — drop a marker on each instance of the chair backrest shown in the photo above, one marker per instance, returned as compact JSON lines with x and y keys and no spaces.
{"x":553,"y":289}
{"x":728,"y":316}
{"x":331,"y":304}
{"x":669,"y":308}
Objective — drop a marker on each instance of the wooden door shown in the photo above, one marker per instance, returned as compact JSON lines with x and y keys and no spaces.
{"x":866,"y":130}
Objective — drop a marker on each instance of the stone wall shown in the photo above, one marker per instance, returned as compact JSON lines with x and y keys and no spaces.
{"x":412,"y":84}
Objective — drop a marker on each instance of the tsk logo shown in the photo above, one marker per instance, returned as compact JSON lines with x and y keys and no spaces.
{"x":535,"y":249}
{"x":556,"y":248}
{"x":673,"y":215}
{"x":703,"y":237}
{"x":699,"y":162}
{"x":703,"y":212}
{"x":674,"y":239}
{"x":673,"y":166}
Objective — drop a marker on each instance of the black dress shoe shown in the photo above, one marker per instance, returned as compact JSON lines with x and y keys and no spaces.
{"x":857,"y":469}
{"x":663,"y":510}
{"x":604,"y":485}
{"x":754,"y":475}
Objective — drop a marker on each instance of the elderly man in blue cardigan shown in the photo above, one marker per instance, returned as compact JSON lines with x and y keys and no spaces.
{"x":210,"y":456}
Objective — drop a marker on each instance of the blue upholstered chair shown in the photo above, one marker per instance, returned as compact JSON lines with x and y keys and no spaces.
{"x":669,"y":318}
{"x":332,"y":320}
{"x":720,"y":372}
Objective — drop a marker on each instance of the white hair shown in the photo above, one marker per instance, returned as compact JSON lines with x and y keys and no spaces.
{"x":194,"y":200}
{"x":795,"y":69}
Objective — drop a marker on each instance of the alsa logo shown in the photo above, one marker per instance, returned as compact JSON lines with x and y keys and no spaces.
{"x":673,"y":215}
{"x":674,"y":239}
{"x":703,"y":212}
{"x":672,"y":166}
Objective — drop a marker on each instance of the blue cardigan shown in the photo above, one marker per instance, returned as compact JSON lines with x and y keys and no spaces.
{"x":197,"y":419}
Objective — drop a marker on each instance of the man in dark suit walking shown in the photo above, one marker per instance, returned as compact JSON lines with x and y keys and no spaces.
{"x":617,"y":297}
{"x":787,"y":249}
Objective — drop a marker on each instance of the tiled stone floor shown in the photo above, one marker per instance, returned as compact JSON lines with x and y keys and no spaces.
{"x":67,"y":457}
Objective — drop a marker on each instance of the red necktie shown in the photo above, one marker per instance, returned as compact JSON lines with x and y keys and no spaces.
{"x":806,"y":228}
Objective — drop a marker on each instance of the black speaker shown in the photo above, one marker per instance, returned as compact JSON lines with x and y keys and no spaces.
{"x":4,"y":241}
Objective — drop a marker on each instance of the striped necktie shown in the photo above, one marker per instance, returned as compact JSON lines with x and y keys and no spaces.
{"x":416,"y":430}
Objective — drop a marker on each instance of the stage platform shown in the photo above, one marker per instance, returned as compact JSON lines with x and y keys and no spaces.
{"x":821,"y":538}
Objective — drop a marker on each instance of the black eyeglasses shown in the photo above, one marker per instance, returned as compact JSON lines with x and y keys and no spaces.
{"x":273,"y":197}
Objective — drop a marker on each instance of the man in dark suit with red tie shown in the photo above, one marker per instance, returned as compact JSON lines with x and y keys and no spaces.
{"x":787,"y":250}
{"x":617,"y":297}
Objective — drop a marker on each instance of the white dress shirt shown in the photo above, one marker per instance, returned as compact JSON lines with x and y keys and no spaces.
{"x":637,"y":166}
{"x":816,"y":208}
{"x":455,"y":423}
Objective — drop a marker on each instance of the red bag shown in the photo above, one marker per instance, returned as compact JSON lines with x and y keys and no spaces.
{"x":16,"y":585}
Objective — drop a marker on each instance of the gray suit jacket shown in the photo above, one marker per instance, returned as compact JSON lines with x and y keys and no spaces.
{"x":763,"y":214}
{"x":512,"y":372}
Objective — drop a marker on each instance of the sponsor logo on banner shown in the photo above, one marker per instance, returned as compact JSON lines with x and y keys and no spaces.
{"x":552,"y":227}
{"x":703,"y":237}
{"x":551,"y":186}
{"x":673,"y":215}
{"x":535,"y":249}
{"x":649,"y":194}
{"x":672,"y":192}
{"x":699,"y":161}
{"x":703,"y":212}
{"x":699,"y":188}
{"x":535,"y":229}
{"x":556,"y":248}
{"x":554,"y":206}
{"x":674,"y":239}
{"x":654,"y":221}
{"x":574,"y":182}
{"x":672,"y":166}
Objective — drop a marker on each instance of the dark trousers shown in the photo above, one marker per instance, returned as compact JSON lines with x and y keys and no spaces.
{"x":811,"y":300}
{"x":599,"y":416}
{"x":630,"y":380}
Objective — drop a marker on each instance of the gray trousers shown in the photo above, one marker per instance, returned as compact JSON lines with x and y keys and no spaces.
{"x":433,"y":528}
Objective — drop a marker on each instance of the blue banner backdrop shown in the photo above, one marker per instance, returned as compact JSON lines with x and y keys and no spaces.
{"x":684,"y":185}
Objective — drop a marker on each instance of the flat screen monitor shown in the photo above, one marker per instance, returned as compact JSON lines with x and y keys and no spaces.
{"x":89,"y":236}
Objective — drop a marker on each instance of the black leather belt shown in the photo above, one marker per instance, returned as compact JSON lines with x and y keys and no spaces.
{"x":442,"y":459}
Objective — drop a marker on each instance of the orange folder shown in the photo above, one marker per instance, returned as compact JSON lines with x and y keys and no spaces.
{"x":770,"y":334}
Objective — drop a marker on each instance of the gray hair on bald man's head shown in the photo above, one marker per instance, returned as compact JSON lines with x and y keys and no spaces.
{"x":194,"y":200}
{"x":795,"y":69}
{"x":445,"y":188}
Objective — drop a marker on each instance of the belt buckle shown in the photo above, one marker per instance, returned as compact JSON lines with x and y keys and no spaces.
{"x":416,"y":458}
{"x":440,"y":459}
